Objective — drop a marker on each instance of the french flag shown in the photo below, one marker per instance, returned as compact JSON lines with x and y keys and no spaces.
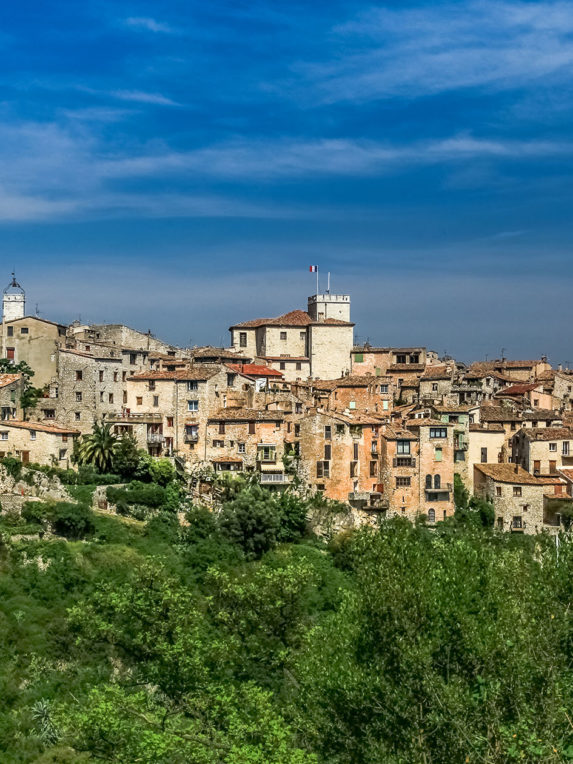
{"x":313,"y":268}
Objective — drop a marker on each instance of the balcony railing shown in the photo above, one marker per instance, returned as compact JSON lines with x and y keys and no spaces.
{"x":191,"y":437}
{"x":155,"y":437}
{"x":368,"y":499}
{"x":275,"y":477}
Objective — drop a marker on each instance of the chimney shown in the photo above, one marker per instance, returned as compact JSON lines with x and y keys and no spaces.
{"x":516,"y":468}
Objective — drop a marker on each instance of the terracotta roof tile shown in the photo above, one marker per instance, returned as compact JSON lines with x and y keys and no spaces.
{"x":198,"y":372}
{"x":254,"y":370}
{"x":246,"y":415}
{"x":509,"y":473}
{"x":548,"y":433}
{"x":9,"y":379}
{"x":56,"y":429}
{"x":293,"y":318}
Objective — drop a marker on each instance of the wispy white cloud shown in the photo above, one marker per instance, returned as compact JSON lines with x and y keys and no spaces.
{"x":149,"y":24}
{"x":275,"y":159}
{"x":410,"y":52}
{"x":141,"y":96}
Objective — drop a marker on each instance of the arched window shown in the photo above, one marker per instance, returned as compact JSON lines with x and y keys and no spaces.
{"x":428,"y":481}
{"x":431,"y":515}
{"x":437,"y":481}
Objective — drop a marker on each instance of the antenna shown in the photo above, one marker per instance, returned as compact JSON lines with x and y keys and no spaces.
{"x":37,"y":310}
{"x":328,"y":283}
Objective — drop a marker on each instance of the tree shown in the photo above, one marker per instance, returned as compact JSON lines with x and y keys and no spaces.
{"x":126,"y":457}
{"x":162,"y":471}
{"x":251,"y":521}
{"x":98,"y":449}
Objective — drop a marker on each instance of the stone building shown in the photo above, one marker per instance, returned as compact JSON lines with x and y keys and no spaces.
{"x":459,"y":417}
{"x":121,"y":335}
{"x":527,"y":395}
{"x":37,"y":442}
{"x":35,"y":341}
{"x":436,"y":383}
{"x":543,"y":450}
{"x":486,"y":444}
{"x":377,"y":360}
{"x":11,"y":389}
{"x":513,"y":419}
{"x":167,"y":411}
{"x":523,"y":503}
{"x":435,"y":466}
{"x":252,"y":440}
{"x":316,"y":343}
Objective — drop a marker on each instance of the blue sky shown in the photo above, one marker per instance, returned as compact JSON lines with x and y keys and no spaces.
{"x":179,"y":165}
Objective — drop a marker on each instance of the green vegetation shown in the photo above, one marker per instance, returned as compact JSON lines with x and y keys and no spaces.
{"x":239,"y":638}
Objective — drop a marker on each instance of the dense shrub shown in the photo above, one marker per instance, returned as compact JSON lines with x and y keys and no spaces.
{"x":252,"y":521}
{"x":148,"y":495}
{"x":74,"y":521}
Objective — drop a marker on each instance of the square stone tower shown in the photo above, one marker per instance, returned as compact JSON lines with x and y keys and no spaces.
{"x":324,"y":306}
{"x":13,"y":302}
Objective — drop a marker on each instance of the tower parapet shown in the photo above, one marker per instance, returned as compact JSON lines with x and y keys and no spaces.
{"x":324,"y":306}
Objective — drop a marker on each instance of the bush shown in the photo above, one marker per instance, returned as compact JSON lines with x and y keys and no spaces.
{"x":74,"y":521}
{"x":13,"y":467}
{"x":162,"y":471}
{"x":35,"y":512}
{"x":148,"y":495}
{"x":292,"y":511}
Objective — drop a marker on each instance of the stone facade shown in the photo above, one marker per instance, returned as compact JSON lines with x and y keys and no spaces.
{"x":37,"y":442}
{"x":34,"y":341}
{"x":543,"y":450}
{"x":11,"y":388}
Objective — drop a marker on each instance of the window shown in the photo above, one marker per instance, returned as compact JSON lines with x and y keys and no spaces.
{"x":77,"y":416}
{"x":383,"y":389}
{"x":296,"y":430}
{"x":355,"y":450}
{"x":327,"y":432}
{"x":352,"y":405}
{"x":170,"y":421}
{"x":552,"y":467}
{"x":192,"y":384}
{"x":282,"y":365}
{"x":133,"y":358}
{"x":437,"y":482}
{"x":403,"y":482}
{"x":152,"y":384}
{"x":536,"y":402}
{"x":517,"y":490}
{"x":252,"y":428}
{"x":434,"y":387}
{"x":431,"y":515}
{"x":101,"y":396}
{"x":4,"y":435}
{"x":79,"y":375}
{"x":191,"y":433}
{"x":218,"y":444}
{"x":340,"y":429}
{"x":124,"y":396}
{"x":192,"y":405}
{"x":267,"y":453}
{"x":243,"y":339}
{"x":327,"y":452}
{"x":298,"y":366}
{"x":536,"y":466}
{"x":498,"y":490}
{"x":373,"y":468}
{"x":438,"y":455}
{"x":283,"y":335}
{"x":438,"y":432}
{"x":221,"y":428}
{"x":359,"y":358}
{"x":155,"y":401}
{"x":24,"y":330}
{"x":516,"y":522}
{"x":565,"y":448}
{"x":231,"y":379}
{"x":513,"y":425}
{"x":10,"y":331}
{"x":483,"y":457}
{"x":115,"y":376}
{"x":64,"y":438}
{"x":101,"y":376}
{"x":322,"y":469}
{"x":110,"y":398}
{"x":428,"y":481}
{"x":400,"y":359}
{"x":123,"y":376}
{"x":78,"y":397}
{"x":298,"y":408}
{"x":553,"y":446}
{"x":63,"y":453}
{"x":353,"y":469}
{"x":32,"y":434}
{"x":402,"y":446}
{"x":139,"y":400}
{"x":404,"y":461}
{"x":10,"y":353}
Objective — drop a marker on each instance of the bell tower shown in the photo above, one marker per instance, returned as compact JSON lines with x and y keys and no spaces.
{"x":13,"y":302}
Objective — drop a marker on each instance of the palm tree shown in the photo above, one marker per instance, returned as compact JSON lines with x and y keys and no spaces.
{"x":98,"y":449}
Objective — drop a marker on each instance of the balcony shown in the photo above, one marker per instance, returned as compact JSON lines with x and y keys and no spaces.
{"x":368,"y":500}
{"x":439,"y":494}
{"x":274,"y":478}
{"x":191,"y":437}
{"x":404,"y":461}
{"x":461,"y":445}
{"x":155,"y":438}
{"x":133,"y":418}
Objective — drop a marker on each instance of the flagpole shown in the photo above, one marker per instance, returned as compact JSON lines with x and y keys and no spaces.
{"x":317,"y":279}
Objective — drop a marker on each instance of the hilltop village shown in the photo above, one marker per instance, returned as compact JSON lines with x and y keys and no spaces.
{"x":384,"y":430}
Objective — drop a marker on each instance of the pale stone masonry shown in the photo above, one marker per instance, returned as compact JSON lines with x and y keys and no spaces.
{"x":49,"y":444}
{"x":11,"y":388}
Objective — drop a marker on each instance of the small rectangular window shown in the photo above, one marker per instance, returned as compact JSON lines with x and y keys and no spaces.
{"x":110,"y":398}
{"x":327,"y":432}
{"x":498,"y":490}
{"x":252,"y":428}
{"x":373,"y":468}
{"x":221,"y":428}
{"x":243,"y":339}
{"x":241,"y":448}
{"x":79,"y":375}
{"x":133,"y":359}
{"x":483,"y":457}
{"x":10,"y":331}
{"x":283,"y":335}
{"x":359,"y":358}
{"x":403,"y":446}
{"x":170,"y":421}
{"x":517,"y":490}
{"x":101,"y":376}
{"x":77,"y":416}
{"x":155,"y":401}
{"x":355,"y":451}
{"x":192,"y":384}
{"x":192,"y":405}
{"x":438,"y":432}
{"x":282,"y":365}
{"x":24,"y":330}
{"x":327,"y":452}
{"x":403,"y":482}
{"x":553,"y":446}
{"x":32,"y":434}
{"x":139,"y":400}
{"x":78,"y":397}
